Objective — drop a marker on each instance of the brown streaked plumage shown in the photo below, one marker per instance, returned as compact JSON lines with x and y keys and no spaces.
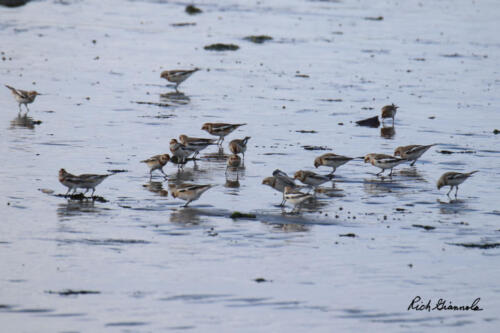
{"x":84,"y":181}
{"x":389,"y":111}
{"x":383,"y":161}
{"x":157,"y":162}
{"x":23,"y":96}
{"x":239,"y":146}
{"x":188,"y":192}
{"x":453,"y":179}
{"x":331,"y":160}
{"x":412,"y":152}
{"x":177,"y":76}
{"x":180,"y":150}
{"x":198,"y":144}
{"x":311,"y":178}
{"x":279,"y":181}
{"x":220,"y":129}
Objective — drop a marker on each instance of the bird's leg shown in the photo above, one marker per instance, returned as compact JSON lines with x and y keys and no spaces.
{"x":163,"y":172}
{"x":413,"y":163}
{"x":390,"y":173}
{"x":187,"y":203}
{"x":451,"y":188}
{"x":456,"y":191}
{"x":378,"y":174}
{"x":93,"y":190}
{"x":67,"y":192}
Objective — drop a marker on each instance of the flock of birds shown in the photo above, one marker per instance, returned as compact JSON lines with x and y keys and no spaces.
{"x":189,"y":147}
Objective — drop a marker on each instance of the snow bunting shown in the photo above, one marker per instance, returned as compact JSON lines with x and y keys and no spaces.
{"x":453,"y":179}
{"x":188,"y":192}
{"x":220,"y":129}
{"x":239,"y":146}
{"x":389,"y":111}
{"x":177,"y":76}
{"x":23,"y":97}
{"x":311,"y":178}
{"x":331,"y":160}
{"x":383,"y":161}
{"x":412,"y":152}
{"x":84,"y":181}
{"x":198,"y":144}
{"x":157,"y":162}
{"x":295,"y":197}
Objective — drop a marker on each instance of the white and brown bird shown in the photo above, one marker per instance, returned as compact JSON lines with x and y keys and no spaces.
{"x":177,"y":76}
{"x":23,"y":97}
{"x":412,"y":152}
{"x":295,"y":197}
{"x":278,"y":182}
{"x":157,"y":162}
{"x":84,"y":181}
{"x":453,"y":179}
{"x":383,"y":161}
{"x":311,"y":178}
{"x":239,"y":146}
{"x":389,"y":111}
{"x":220,"y":129}
{"x":331,"y":160}
{"x":198,"y":144}
{"x":188,"y":192}
{"x":180,"y":150}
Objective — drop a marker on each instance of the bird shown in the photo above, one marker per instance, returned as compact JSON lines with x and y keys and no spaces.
{"x":233,"y":161}
{"x":295,"y":197}
{"x":180,"y":150}
{"x":157,"y":162}
{"x":383,"y":161}
{"x":220,"y":129}
{"x":198,"y":144}
{"x":177,"y":76}
{"x":279,"y":181}
{"x":453,"y":179}
{"x":389,"y":111}
{"x":331,"y":160}
{"x":412,"y":152}
{"x":188,"y":192}
{"x":239,"y":146}
{"x":23,"y":96}
{"x":84,"y":181}
{"x":311,"y":178}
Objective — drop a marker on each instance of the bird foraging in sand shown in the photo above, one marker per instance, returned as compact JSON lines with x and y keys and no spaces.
{"x":412,"y":152}
{"x":157,"y":162}
{"x":84,"y":181}
{"x":188,"y":192}
{"x":331,"y":160}
{"x":279,"y":181}
{"x":389,"y":111}
{"x":177,"y":76}
{"x":383,"y":161}
{"x":453,"y":179}
{"x":239,"y":146}
{"x":23,"y":96}
{"x":220,"y":129}
{"x":181,"y":151}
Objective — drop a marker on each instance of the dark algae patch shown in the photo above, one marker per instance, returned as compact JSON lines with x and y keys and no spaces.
{"x":348,"y":235}
{"x":483,"y":246}
{"x":374,"y":18}
{"x":261,"y":280}
{"x":239,"y":215}
{"x":369,"y":122}
{"x":308,"y":147}
{"x":449,"y":152}
{"x":70,"y":292}
{"x":426,"y":227}
{"x":258,"y":39}
{"x":81,"y":197}
{"x":221,"y":47}
{"x":193,"y":10}
{"x":496,"y":131}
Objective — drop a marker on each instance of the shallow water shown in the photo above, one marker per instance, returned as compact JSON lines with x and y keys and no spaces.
{"x":159,"y":267}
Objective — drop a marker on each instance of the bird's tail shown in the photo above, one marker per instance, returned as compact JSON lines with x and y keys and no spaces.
{"x":11,"y":88}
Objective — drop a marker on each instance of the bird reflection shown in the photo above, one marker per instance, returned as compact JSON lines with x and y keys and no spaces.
{"x":290,"y":227}
{"x":24,"y":121}
{"x":186,"y":216}
{"x":387,"y":132}
{"x":381,"y":186}
{"x":156,"y":187}
{"x":76,"y":208}
{"x":175,"y":97}
{"x":232,"y":183}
